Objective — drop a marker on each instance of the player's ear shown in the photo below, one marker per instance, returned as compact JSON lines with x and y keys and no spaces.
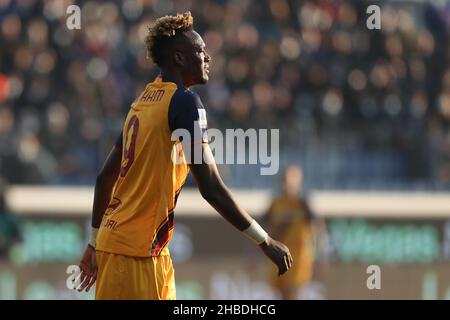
{"x":178,"y":59}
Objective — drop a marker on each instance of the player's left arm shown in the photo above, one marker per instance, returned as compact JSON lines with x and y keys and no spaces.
{"x":186,"y":112}
{"x":104,"y":186}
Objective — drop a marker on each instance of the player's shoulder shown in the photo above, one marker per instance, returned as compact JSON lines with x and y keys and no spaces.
{"x":186,"y":97}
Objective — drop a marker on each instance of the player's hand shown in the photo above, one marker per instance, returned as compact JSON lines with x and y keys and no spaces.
{"x":88,"y":266}
{"x":278,"y":253}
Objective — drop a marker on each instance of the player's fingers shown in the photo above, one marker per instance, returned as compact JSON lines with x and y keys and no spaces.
{"x":81,"y":277}
{"x":85,"y":282}
{"x":289,"y":262}
{"x":286,"y":262}
{"x":92,"y":282}
{"x":282,"y":266}
{"x":82,"y":284}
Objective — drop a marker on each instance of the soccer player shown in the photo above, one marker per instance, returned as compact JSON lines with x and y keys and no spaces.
{"x":291,"y":220}
{"x":137,"y":188}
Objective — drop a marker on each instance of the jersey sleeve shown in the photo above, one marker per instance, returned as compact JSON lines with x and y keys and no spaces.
{"x":186,"y":112}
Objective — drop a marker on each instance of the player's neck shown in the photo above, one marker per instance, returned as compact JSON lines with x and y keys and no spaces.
{"x":170,"y":76}
{"x":291,"y":195}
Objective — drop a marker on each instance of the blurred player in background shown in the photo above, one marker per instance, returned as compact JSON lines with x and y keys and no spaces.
{"x":137,"y":189}
{"x":291,"y":221}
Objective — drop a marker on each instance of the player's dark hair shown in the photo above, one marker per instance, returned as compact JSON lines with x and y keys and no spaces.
{"x":164,"y":32}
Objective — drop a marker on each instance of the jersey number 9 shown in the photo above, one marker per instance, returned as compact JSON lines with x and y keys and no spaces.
{"x":129,"y":145}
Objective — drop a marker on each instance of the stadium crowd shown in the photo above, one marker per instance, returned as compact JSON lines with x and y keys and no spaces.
{"x":357,"y":107}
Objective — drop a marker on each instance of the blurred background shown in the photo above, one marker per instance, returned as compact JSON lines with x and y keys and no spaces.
{"x":364,"y":112}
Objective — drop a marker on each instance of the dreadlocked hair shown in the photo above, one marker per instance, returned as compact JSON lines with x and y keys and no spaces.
{"x":164,"y":32}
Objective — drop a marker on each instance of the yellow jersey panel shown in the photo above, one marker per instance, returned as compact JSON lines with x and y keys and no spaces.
{"x":140,"y":217}
{"x":290,"y":224}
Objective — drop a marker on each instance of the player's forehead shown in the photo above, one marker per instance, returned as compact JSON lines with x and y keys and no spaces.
{"x":195,"y":39}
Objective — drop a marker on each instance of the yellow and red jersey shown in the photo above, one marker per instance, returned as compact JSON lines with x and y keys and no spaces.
{"x":139,"y":220}
{"x":291,"y":223}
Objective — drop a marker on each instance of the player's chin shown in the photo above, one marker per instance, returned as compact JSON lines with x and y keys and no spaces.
{"x":204,"y":79}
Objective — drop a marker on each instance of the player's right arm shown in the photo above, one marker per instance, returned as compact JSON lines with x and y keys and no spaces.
{"x":104,"y":186}
{"x":215,"y":192}
{"x":105,"y":182}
